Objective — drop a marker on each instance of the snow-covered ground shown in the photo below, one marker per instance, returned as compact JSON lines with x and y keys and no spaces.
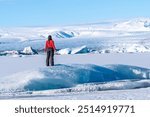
{"x":82,"y":76}
{"x":105,"y":60}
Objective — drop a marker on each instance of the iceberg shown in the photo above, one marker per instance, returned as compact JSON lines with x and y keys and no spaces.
{"x":77,"y":50}
{"x":29,"y":51}
{"x":69,"y":76}
{"x":64,"y":51}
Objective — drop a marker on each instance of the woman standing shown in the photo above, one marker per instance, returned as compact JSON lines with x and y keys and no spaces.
{"x":50,"y":48}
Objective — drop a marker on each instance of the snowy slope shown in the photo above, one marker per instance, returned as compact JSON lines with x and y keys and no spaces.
{"x":141,"y":24}
{"x":100,"y":36}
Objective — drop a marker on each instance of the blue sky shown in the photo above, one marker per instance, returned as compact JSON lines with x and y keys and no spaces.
{"x":66,"y":12}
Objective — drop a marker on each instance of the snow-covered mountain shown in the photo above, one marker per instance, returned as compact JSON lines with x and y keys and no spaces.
{"x":142,"y":24}
{"x":137,"y":24}
{"x":99,"y":36}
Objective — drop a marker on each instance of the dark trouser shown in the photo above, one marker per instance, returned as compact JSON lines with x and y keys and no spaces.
{"x":50,"y":57}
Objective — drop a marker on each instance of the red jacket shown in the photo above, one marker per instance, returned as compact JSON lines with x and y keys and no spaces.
{"x":49,"y":44}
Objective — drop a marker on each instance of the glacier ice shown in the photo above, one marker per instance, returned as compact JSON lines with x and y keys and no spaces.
{"x":69,"y":76}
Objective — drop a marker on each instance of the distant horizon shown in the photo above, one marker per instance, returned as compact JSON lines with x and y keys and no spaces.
{"x":76,"y":24}
{"x":36,"y":13}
